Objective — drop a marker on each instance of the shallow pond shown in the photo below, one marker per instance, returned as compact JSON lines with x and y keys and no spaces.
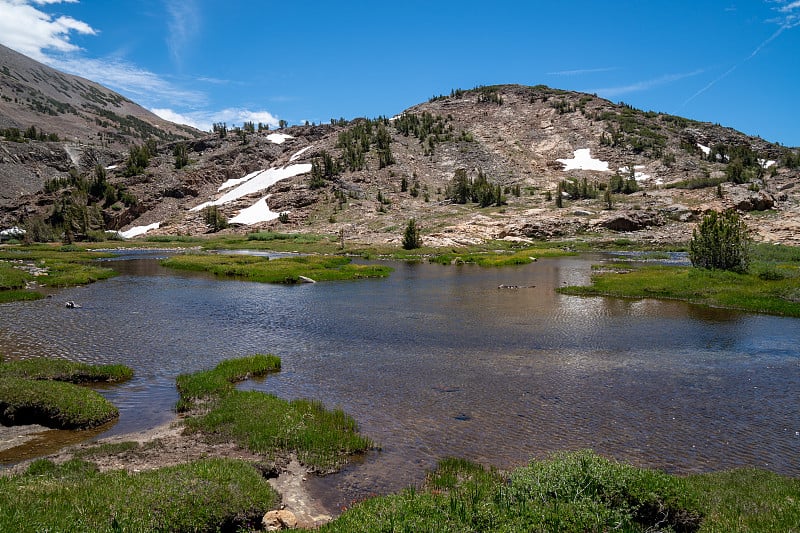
{"x":437,"y":361}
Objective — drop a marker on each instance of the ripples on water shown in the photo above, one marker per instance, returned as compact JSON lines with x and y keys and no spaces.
{"x":437,"y":361}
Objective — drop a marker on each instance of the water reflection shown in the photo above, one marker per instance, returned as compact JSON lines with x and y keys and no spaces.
{"x":437,"y":361}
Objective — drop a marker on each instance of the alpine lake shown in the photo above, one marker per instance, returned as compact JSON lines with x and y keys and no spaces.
{"x":438,"y":361}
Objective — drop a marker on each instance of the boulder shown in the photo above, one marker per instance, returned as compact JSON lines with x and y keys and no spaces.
{"x":632,"y":221}
{"x":279,"y":520}
{"x":744,"y":199}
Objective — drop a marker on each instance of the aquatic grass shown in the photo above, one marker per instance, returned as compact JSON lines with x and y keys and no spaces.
{"x":208,"y":495}
{"x":262,"y":422}
{"x":52,"y":404}
{"x":60,"y":268}
{"x":221,"y":379}
{"x":746,"y":292}
{"x":43,"y":391}
{"x":286,"y":270}
{"x":266,"y":424}
{"x":41,"y":368}
{"x":497,"y":258}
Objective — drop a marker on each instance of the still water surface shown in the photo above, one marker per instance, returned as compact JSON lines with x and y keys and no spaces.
{"x":437,"y":361}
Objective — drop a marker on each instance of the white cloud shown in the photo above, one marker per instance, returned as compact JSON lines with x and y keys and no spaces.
{"x":644,"y":85}
{"x":146,"y":87}
{"x":32,"y":32}
{"x":184,"y":24}
{"x":581,"y":71}
{"x":204,"y":120}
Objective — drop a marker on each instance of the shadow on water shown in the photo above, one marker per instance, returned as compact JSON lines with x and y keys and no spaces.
{"x":438,"y":361}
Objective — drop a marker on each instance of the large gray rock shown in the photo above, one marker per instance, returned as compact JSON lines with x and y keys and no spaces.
{"x":632,"y":221}
{"x":744,"y":199}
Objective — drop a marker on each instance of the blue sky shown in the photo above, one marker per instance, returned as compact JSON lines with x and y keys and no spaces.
{"x":204,"y":61}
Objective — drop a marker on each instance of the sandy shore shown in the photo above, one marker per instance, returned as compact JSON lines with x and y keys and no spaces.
{"x":167,"y":445}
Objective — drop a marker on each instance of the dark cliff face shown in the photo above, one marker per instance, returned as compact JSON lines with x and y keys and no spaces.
{"x":528,"y":143}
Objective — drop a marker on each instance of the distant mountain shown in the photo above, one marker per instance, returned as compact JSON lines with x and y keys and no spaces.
{"x":70,"y":114}
{"x":501,"y":162}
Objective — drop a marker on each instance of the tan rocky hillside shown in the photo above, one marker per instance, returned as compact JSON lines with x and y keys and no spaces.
{"x":539,"y":147}
{"x":67,"y":116}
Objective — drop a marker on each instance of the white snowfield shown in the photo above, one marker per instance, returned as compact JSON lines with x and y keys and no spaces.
{"x":258,"y":212}
{"x":139,"y":230}
{"x":706,"y":150}
{"x":278,"y":138}
{"x":584,"y":161}
{"x":238,"y":181}
{"x":637,"y":175}
{"x":258,"y":182}
{"x":298,"y":154}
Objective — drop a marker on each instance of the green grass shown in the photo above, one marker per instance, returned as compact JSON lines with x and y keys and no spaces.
{"x":62,"y":370}
{"x":579,"y":492}
{"x":265,"y":424}
{"x":754,"y":292}
{"x":52,"y":404}
{"x":209,"y":495}
{"x":284,"y":270}
{"x":496,"y":258}
{"x":43,"y":391}
{"x":220,"y":380}
{"x":66,"y":267}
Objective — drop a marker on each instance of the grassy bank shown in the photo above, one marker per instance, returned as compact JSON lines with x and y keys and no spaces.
{"x":265,"y":424}
{"x":580,"y":492}
{"x":771,"y":286}
{"x":283,"y":270}
{"x":209,"y":495}
{"x":43,"y":391}
{"x":47,"y":266}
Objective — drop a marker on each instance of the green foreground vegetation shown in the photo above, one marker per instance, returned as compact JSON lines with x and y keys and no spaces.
{"x":771,"y":285}
{"x":43,"y":391}
{"x":579,"y":492}
{"x":284,"y":270}
{"x":46,"y":266}
{"x":263,"y":423}
{"x":208,"y":495}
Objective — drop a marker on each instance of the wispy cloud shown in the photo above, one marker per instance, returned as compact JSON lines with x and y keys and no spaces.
{"x":203,"y":120}
{"x":609,"y":92}
{"x":33,"y":32}
{"x":581,"y":71}
{"x":142,"y":85}
{"x":183,"y":24}
{"x":789,"y":18}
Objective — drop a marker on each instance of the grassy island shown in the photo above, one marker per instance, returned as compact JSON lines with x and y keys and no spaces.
{"x":265,"y":424}
{"x":771,"y":285}
{"x":44,"y":391}
{"x":23,"y":268}
{"x":284,"y":270}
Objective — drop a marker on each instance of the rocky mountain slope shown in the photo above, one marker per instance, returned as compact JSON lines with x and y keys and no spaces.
{"x":67,"y":116}
{"x":539,"y":160}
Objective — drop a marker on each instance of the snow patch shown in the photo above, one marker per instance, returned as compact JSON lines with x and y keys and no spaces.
{"x":298,"y":154}
{"x":584,"y":161}
{"x":258,"y":212}
{"x":278,"y":138}
{"x":638,"y":176}
{"x":111,"y":167}
{"x":139,"y":230}
{"x":259,"y":182}
{"x":766,"y":163}
{"x":706,"y":150}
{"x":238,"y":181}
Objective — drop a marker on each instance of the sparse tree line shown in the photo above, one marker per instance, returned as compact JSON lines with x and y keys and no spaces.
{"x":479,"y":190}
{"x":30,"y":134}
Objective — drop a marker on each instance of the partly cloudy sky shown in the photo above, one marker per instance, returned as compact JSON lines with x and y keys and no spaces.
{"x":203,"y":61}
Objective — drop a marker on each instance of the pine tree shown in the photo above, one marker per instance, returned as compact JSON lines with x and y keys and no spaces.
{"x":411,"y":237}
{"x":721,"y":242}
